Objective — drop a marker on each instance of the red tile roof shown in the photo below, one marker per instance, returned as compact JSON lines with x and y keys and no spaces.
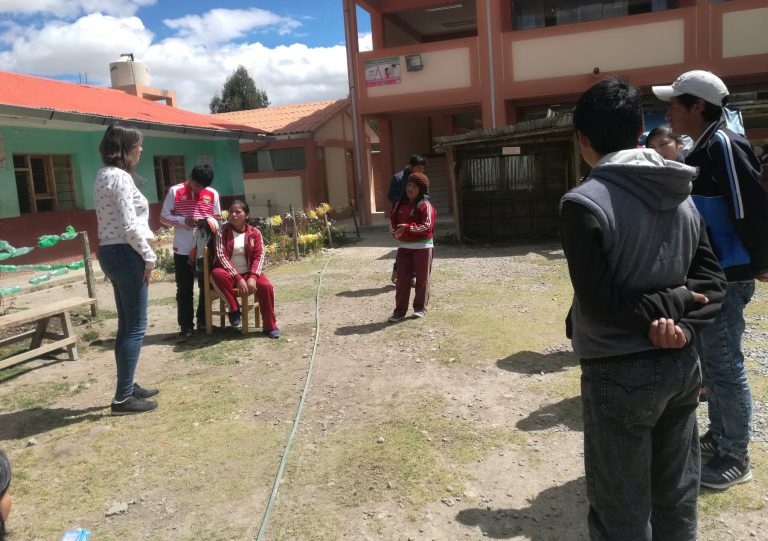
{"x":284,"y":119}
{"x":51,"y":95}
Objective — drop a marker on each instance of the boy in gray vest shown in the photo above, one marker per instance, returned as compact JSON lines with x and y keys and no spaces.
{"x":645,"y":283}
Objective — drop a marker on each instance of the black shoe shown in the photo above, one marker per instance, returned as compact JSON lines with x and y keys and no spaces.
{"x":132,"y":405}
{"x":187,"y":333}
{"x":141,"y":392}
{"x":724,"y":471}
{"x":709,"y":444}
{"x":235,"y":319}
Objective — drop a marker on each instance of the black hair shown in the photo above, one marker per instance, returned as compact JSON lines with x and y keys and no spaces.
{"x":711,"y":112}
{"x":118,"y":142}
{"x":243,"y":205}
{"x":417,"y":159}
{"x":202,"y":174}
{"x":610,"y":115}
{"x":663,"y":130}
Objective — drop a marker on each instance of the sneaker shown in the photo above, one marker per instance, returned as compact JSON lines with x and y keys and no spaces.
{"x":724,"y":471}
{"x":132,"y":405}
{"x":234,"y":318}
{"x":709,"y":444}
{"x":274,"y":333}
{"x":420,"y":313}
{"x":394,"y":318}
{"x":141,"y":392}
{"x":187,"y":333}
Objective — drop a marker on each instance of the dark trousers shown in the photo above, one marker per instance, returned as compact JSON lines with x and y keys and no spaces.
{"x":641,"y":446}
{"x":185,"y":283}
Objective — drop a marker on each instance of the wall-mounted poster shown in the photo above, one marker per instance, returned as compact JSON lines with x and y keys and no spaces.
{"x":382,"y":71}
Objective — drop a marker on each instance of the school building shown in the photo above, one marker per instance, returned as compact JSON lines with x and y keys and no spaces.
{"x":448,"y":68}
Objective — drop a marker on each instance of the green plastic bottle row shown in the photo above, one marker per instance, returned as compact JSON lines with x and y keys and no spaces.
{"x":72,"y":265}
{"x":46,"y":241}
{"x":5,"y":291}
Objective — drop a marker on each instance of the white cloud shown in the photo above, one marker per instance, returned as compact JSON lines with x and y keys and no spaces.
{"x":365,"y":42}
{"x":223,"y":25}
{"x":195,"y":70}
{"x":72,"y":8}
{"x":87,"y":45}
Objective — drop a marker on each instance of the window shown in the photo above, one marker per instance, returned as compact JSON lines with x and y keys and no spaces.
{"x":538,"y":13}
{"x":44,"y":182}
{"x":169,"y":170}
{"x":281,"y":159}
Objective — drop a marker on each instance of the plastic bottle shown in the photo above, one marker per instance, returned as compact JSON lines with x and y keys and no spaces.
{"x":75,"y":265}
{"x":46,"y":241}
{"x":58,"y":266}
{"x":69,"y":234}
{"x":42,"y":267}
{"x":39,"y":279}
{"x":22,"y":251}
{"x":7,"y":268}
{"x":4,"y":255}
{"x":81,"y":534}
{"x":58,"y":272}
{"x":5,"y":291}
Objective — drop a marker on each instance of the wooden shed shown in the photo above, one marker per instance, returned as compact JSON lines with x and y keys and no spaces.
{"x":508,"y":181}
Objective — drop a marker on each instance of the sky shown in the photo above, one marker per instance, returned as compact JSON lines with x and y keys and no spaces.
{"x":293,"y":49}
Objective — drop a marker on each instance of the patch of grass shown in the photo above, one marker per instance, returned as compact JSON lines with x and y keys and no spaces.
{"x":90,"y":335}
{"x":208,"y":458}
{"x":106,"y":313}
{"x":164,"y":301}
{"x":10,"y":372}
{"x":220,"y":353}
{"x":352,"y":468}
{"x":10,"y":351}
{"x":39,"y":395}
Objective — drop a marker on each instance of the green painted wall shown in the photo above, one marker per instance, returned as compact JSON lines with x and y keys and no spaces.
{"x":83,"y":147}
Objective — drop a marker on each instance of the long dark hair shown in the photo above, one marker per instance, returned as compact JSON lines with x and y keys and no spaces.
{"x":118,"y":142}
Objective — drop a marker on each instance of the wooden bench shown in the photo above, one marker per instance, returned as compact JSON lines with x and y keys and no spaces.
{"x":42,"y":315}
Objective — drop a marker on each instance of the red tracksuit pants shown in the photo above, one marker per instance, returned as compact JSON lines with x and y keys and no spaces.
{"x":410,"y":260}
{"x":225,"y":285}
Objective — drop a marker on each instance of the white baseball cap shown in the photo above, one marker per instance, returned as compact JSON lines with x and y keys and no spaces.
{"x":702,"y":84}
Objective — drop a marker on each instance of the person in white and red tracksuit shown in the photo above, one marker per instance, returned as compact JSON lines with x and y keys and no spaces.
{"x":412,"y":223}
{"x":240,"y":264}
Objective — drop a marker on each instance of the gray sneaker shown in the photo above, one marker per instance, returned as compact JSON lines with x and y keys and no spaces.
{"x":396,"y":318}
{"x":132,"y":405}
{"x":420,"y":313}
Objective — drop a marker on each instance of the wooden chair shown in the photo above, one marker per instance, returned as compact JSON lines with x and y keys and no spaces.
{"x":248,"y":303}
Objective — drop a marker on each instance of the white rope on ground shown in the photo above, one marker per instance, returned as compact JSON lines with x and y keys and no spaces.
{"x":297,"y":418}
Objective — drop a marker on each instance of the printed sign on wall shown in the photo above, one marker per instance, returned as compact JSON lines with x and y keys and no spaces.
{"x":382,"y":71}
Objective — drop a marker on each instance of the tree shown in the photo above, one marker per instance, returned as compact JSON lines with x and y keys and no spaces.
{"x":239,"y":94}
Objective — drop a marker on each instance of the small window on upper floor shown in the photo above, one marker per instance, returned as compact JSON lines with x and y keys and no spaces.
{"x":538,"y":13}
{"x":281,"y":159}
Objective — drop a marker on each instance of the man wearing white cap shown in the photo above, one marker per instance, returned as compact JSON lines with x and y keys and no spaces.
{"x":729,"y":195}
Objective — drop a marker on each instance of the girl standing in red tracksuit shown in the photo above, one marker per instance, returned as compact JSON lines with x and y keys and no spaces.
{"x":412,"y":223}
{"x":239,"y":264}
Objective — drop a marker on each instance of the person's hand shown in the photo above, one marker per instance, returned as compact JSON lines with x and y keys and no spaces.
{"x":665,"y":334}
{"x":147,"y":275}
{"x":242,"y":287}
{"x":400,"y":230}
{"x":251,"y":284}
{"x":699,"y":298}
{"x":190,"y":221}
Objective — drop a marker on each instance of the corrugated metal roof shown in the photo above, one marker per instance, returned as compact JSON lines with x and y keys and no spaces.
{"x":285,"y":119}
{"x":557,"y":122}
{"x":26,"y":92}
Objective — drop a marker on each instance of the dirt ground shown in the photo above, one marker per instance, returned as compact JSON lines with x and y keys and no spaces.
{"x":463,"y":425}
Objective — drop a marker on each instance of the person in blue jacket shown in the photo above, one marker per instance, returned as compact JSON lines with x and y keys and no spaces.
{"x":734,"y":204}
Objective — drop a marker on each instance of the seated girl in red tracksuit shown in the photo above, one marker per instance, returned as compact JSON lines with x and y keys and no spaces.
{"x":412,"y":223}
{"x":239,"y":264}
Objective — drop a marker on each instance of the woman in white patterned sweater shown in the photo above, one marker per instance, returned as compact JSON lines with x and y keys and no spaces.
{"x":126,"y":258}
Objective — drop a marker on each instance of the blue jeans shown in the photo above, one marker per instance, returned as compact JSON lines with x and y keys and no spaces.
{"x":641,"y":446}
{"x":722,"y":360}
{"x":125,"y":269}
